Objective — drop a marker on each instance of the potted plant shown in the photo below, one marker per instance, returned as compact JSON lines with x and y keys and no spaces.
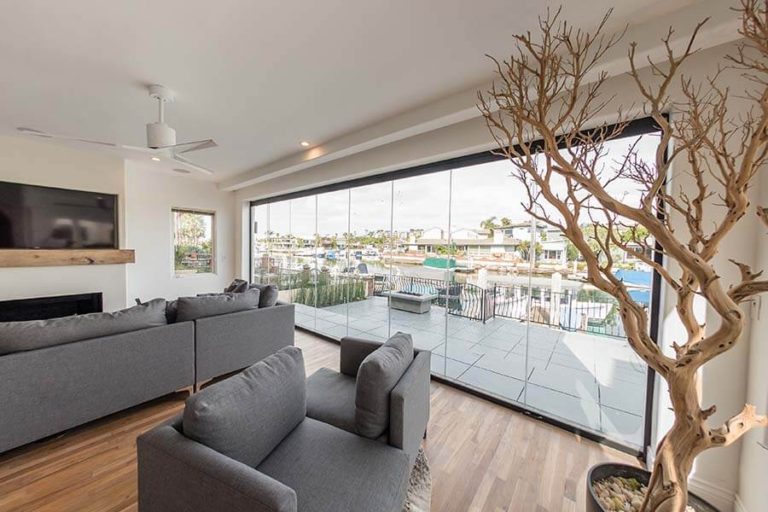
{"x":546,"y":113}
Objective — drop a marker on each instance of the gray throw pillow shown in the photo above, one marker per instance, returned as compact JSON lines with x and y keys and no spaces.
{"x":236,"y":286}
{"x":246,"y":416}
{"x":268,"y":297}
{"x":191,"y":308}
{"x":36,"y":334}
{"x":171,"y":311}
{"x":379,"y":372}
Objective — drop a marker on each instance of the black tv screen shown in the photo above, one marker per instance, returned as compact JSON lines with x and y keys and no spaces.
{"x":33,"y":217}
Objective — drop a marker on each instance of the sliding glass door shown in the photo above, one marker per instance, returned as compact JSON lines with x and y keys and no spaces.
{"x":450,"y":256}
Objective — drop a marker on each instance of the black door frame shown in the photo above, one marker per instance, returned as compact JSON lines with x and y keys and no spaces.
{"x":636,"y":127}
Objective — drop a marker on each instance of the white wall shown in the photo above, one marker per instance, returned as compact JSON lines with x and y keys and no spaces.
{"x":753,"y":491}
{"x":723,"y":381}
{"x":146,"y":195}
{"x":29,"y":161}
{"x":150,"y":196}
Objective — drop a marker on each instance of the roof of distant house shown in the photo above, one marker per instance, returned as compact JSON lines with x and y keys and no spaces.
{"x":508,"y":240}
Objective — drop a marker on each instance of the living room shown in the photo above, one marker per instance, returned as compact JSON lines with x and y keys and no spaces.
{"x":383,"y":257}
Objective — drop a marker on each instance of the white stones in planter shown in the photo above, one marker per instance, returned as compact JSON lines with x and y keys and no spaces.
{"x":619,"y":494}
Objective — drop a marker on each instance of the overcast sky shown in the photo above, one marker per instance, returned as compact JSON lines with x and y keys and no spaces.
{"x":476,"y":193}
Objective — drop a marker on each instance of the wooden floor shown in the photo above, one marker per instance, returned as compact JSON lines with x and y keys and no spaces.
{"x":482,"y":456}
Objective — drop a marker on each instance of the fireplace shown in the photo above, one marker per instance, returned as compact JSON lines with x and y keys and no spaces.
{"x":41,"y":308}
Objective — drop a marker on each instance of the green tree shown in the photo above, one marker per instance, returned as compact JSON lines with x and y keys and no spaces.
{"x":571,"y":252}
{"x":190,"y":228}
{"x":446,"y":250}
{"x":489,"y":223}
{"x":525,"y":249}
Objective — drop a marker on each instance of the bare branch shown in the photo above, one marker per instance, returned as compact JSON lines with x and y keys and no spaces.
{"x":737,"y":426}
{"x":544,"y":113}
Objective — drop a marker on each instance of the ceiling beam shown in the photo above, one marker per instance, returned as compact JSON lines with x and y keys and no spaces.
{"x":721,"y":28}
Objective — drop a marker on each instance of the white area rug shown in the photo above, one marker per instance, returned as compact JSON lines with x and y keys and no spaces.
{"x":419,"y":497}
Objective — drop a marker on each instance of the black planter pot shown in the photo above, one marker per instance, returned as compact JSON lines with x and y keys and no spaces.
{"x":600,"y":471}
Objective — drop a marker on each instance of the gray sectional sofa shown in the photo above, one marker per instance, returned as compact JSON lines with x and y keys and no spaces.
{"x":227,"y":343}
{"x":49,"y":390}
{"x":60,"y":373}
{"x":251,"y":444}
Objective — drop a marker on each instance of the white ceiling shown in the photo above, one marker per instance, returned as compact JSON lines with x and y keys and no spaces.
{"x":258,"y":76}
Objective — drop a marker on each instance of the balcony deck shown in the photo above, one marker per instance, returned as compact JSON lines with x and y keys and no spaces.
{"x":593,"y":381}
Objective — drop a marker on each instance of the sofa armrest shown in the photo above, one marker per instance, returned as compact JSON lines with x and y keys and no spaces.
{"x":231,"y":342}
{"x":177,"y":474}
{"x":353,"y":351}
{"x":409,"y":406}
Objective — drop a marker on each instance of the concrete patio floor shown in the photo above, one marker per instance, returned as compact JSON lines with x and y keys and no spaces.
{"x":588,"y":380}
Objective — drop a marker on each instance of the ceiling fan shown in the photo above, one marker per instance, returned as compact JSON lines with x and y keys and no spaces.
{"x":161,"y":138}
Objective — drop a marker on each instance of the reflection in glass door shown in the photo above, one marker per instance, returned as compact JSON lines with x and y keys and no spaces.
{"x":370,"y":233}
{"x":259,"y":243}
{"x":298,"y":261}
{"x":421,"y":291}
{"x":488,"y":229}
{"x":336,"y":282}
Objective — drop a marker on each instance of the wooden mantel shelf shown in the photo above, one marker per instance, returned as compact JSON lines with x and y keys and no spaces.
{"x":64,"y":257}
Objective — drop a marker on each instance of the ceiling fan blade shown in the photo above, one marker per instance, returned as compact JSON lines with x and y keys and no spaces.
{"x":192,"y":166}
{"x":100,"y":143}
{"x":40,"y":133}
{"x":187,"y":147}
{"x":32,"y":131}
{"x":139,"y":148}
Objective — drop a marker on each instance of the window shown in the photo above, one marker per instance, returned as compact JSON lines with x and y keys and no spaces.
{"x":194,"y":242}
{"x":446,"y":253}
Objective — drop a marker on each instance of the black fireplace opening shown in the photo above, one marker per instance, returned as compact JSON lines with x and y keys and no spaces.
{"x":41,"y":308}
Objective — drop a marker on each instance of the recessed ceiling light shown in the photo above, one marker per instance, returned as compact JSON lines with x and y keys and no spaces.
{"x":304,"y":144}
{"x":156,"y":159}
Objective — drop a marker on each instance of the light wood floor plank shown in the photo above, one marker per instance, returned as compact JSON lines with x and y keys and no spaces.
{"x":483,"y":457}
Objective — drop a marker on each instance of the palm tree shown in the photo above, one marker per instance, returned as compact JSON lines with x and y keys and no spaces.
{"x":489,"y":223}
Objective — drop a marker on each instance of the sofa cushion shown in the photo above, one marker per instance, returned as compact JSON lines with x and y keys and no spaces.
{"x":332,"y":470}
{"x":268,"y":297}
{"x":36,"y":334}
{"x":191,"y":308}
{"x":246,"y":416}
{"x":377,"y":376}
{"x":237,"y":286}
{"x":331,"y":398}
{"x":172,"y":311}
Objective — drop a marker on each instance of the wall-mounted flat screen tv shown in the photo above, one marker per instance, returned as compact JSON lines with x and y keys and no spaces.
{"x":34,"y":217}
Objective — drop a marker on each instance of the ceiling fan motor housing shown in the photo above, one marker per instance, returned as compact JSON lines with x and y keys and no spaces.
{"x":160,"y":135}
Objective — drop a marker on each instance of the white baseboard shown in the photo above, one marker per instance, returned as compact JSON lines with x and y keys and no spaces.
{"x":723,"y":499}
{"x":738,"y":505}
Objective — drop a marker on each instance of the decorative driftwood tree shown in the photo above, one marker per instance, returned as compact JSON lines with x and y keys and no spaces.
{"x":551,"y":91}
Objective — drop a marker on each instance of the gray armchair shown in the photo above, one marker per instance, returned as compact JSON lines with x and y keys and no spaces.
{"x":331,"y":396}
{"x":245,"y":445}
{"x":179,"y":474}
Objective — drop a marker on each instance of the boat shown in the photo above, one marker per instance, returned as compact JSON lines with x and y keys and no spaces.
{"x":440,"y":263}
